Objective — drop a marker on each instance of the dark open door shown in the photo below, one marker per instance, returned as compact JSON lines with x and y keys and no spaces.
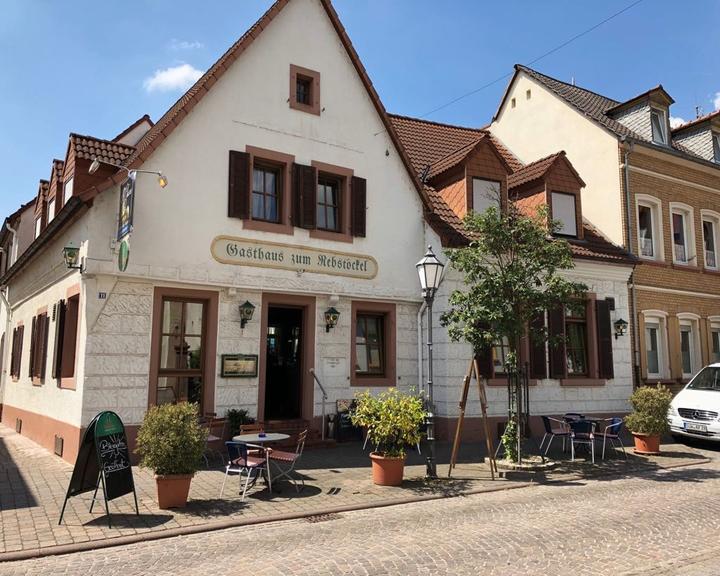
{"x":283,"y":375}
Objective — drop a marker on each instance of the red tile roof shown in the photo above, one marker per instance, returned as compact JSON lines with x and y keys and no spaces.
{"x":89,"y":147}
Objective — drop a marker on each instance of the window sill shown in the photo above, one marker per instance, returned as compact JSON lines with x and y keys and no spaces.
{"x":67,"y":383}
{"x":370,"y":381}
{"x":499,"y":382}
{"x":331,"y":236}
{"x":37,"y":381}
{"x":582,"y":382}
{"x":262,"y":226}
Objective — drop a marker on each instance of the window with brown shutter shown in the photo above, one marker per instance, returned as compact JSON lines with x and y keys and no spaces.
{"x":60,"y":309}
{"x":604,"y":339}
{"x":304,"y":196}
{"x":358,"y":200}
{"x":538,"y":360}
{"x":33,"y":337}
{"x":16,"y":359}
{"x":239,"y":185}
{"x":556,"y":329}
{"x":38,"y":347}
{"x":67,"y":368}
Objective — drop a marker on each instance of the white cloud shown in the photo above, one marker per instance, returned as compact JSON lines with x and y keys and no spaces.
{"x":716,"y":101}
{"x":178,"y":45}
{"x":676,"y":121}
{"x":179,"y":77}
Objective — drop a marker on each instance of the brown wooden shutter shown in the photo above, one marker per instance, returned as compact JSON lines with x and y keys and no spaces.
{"x":604,"y":339}
{"x":21,"y":337}
{"x":13,"y":353}
{"x":358,"y":206}
{"x":556,"y":328}
{"x":304,"y":196}
{"x":538,"y":363}
{"x":59,"y":330}
{"x":239,"y":185}
{"x":33,"y":340}
{"x":44,"y":344}
{"x":2,"y":351}
{"x":483,"y":356}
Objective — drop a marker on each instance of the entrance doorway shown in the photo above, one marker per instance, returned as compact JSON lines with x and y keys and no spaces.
{"x":284,"y":363}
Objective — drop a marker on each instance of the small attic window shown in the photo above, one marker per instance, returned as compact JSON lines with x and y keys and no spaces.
{"x":716,"y":146}
{"x":512,"y":103}
{"x":304,"y":90}
{"x":528,"y":95}
{"x":659,"y":126}
{"x":564,"y":210}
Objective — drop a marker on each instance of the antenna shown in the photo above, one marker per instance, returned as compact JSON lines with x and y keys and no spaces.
{"x":698,"y":111}
{"x":572,"y":80}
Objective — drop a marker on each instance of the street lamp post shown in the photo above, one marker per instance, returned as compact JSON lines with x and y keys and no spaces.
{"x":430,"y":272}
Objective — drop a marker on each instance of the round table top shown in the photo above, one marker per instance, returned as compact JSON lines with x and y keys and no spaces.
{"x":255,"y":438}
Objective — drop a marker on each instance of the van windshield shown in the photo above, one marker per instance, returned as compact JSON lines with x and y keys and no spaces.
{"x":707,"y":379}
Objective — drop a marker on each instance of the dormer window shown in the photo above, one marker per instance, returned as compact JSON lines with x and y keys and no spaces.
{"x":564,"y":211}
{"x":659,"y":126}
{"x":716,"y":146}
{"x":486,"y":193}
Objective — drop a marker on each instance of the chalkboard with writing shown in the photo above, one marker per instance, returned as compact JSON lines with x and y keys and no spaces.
{"x":103,"y":459}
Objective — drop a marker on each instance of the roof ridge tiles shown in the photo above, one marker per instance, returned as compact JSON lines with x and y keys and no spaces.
{"x":435,"y":123}
{"x":575,"y":86}
{"x":102,"y":140}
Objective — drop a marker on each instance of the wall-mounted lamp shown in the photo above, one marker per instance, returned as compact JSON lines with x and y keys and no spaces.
{"x":331,"y":318}
{"x":246,"y":313}
{"x":620,"y":328}
{"x":71,"y":255}
{"x":162,"y":179}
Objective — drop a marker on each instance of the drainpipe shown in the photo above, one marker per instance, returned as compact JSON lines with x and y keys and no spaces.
{"x":8,"y":324}
{"x":627,"y":147}
{"x":13,"y":246}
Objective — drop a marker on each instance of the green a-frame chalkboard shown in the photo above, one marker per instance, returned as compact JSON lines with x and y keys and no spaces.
{"x":103,"y":458}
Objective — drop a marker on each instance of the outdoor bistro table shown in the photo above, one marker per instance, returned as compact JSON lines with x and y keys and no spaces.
{"x":257,"y":438}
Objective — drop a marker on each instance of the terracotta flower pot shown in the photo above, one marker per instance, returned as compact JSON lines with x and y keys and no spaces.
{"x":387,"y":471}
{"x":173,"y":490}
{"x":646,"y":444}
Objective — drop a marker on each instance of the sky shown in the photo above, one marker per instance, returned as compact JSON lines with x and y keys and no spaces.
{"x":95,"y":67}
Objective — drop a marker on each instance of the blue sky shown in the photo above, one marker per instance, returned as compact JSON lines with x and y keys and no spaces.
{"x":94,"y":67}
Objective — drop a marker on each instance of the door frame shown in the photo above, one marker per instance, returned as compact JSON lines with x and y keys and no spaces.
{"x":307,"y":305}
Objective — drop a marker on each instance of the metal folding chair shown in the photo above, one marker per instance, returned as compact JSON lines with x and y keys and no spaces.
{"x":285,"y":462}
{"x":242,"y":462}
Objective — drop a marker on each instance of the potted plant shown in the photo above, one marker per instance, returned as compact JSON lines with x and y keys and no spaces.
{"x":237,"y":417}
{"x":648,"y":421}
{"x":171,"y":442}
{"x":392,"y":420}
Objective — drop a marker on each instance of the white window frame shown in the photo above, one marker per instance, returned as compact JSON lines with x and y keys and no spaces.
{"x":663,"y":126}
{"x":68,"y":186}
{"x":656,"y":213}
{"x":688,"y":214}
{"x":716,"y":146}
{"x":692,"y":321}
{"x":38,"y":226}
{"x":575,"y":209}
{"x":51,"y":210}
{"x":714,"y":218}
{"x":659,"y":318}
{"x":479,"y":194}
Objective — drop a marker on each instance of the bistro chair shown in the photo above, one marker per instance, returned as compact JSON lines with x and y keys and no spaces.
{"x":254,"y":428}
{"x":569,"y":416}
{"x":612,"y":433}
{"x":561,"y":430}
{"x":285,"y":462}
{"x":582,"y":433}
{"x":242,"y":462}
{"x":215,"y":428}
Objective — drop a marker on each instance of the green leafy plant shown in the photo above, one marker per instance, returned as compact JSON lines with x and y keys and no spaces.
{"x":171,"y":440}
{"x":650,"y":407}
{"x":237,"y":417}
{"x":509,"y":441}
{"x":392,"y":420}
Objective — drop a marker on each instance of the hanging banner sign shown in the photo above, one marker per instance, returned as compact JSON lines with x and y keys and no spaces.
{"x":103,"y":460}
{"x":244,"y":252}
{"x":127,"y":207}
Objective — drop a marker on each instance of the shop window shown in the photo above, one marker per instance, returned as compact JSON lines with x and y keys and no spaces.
{"x":373,"y":347}
{"x":710,"y":238}
{"x":67,"y":315}
{"x":656,"y":355}
{"x":564,"y":210}
{"x":16,"y":356}
{"x":486,"y":193}
{"x":38,"y":347}
{"x":683,"y":236}
{"x":328,"y":203}
{"x":659,"y":126}
{"x":181,"y":351}
{"x":304,"y":90}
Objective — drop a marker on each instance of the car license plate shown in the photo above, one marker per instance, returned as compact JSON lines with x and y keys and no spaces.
{"x":696,"y":427}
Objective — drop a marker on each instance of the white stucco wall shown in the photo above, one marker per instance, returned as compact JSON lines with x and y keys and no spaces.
{"x":545,"y":124}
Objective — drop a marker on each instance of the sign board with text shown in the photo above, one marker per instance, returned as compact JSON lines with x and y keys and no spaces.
{"x":244,"y":252}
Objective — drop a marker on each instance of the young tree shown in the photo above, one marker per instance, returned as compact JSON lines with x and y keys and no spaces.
{"x":513,"y":273}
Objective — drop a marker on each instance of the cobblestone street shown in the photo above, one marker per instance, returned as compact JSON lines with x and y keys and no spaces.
{"x":659,"y":522}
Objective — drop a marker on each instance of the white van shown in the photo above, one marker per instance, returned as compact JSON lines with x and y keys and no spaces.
{"x":695,"y":411}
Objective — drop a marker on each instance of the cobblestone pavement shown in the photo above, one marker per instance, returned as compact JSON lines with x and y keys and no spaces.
{"x":663,"y":522}
{"x":33,"y":484}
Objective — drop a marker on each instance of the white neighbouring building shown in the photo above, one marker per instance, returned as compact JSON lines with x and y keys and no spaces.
{"x":289,"y":189}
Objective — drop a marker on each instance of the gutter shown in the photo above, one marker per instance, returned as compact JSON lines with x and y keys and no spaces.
{"x":8,"y":325}
{"x":627,"y":146}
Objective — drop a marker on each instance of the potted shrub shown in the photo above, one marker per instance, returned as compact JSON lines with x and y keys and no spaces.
{"x":237,"y":417}
{"x":392,"y":421}
{"x":171,"y":442}
{"x":648,"y":420}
